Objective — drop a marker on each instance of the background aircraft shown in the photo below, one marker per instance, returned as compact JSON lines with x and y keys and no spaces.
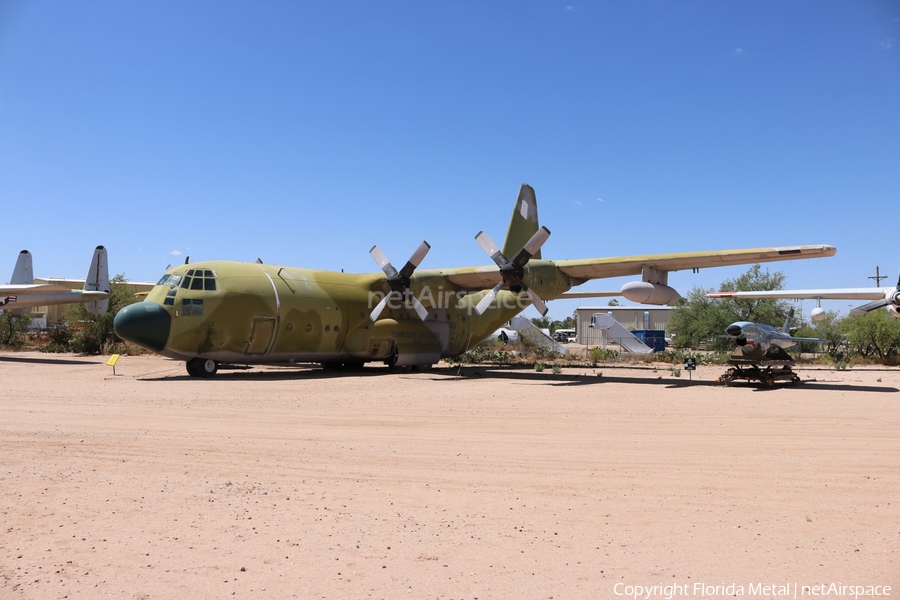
{"x":888,"y":297}
{"x":248,"y":313}
{"x":22,"y":293}
{"x":764,"y":341}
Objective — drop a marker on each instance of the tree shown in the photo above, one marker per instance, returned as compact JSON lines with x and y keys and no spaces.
{"x":13,"y":327}
{"x":567,"y":323}
{"x":94,"y":334}
{"x":874,"y":335}
{"x":829,"y":328}
{"x":541,"y":322}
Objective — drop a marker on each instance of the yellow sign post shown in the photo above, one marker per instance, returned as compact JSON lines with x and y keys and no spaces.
{"x":112,"y":362}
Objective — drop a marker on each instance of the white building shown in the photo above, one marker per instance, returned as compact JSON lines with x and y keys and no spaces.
{"x":630,"y":317}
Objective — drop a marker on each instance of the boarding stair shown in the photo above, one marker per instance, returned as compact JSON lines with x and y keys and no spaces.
{"x":614,"y":330}
{"x":534,"y":336}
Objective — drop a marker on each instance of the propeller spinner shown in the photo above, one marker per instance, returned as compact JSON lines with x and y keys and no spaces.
{"x":513,"y":270}
{"x":398,"y":281}
{"x":889,"y":298}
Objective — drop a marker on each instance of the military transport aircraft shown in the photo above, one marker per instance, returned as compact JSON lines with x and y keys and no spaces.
{"x":887,"y":297}
{"x":764,"y":341}
{"x":250,"y":313}
{"x":23,"y":293}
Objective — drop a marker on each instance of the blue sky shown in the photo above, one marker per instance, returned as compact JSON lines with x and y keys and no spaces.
{"x":305,"y":132}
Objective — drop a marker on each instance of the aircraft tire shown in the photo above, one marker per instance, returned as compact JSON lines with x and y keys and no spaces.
{"x":198,"y":367}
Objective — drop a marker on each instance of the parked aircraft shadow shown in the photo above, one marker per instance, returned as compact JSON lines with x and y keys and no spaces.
{"x":823,"y":386}
{"x":300,"y":372}
{"x":47,"y":361}
{"x":546,"y":377}
{"x":514,"y":374}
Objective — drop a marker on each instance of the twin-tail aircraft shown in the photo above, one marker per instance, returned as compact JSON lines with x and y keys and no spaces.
{"x":209,"y":313}
{"x":23,"y":293}
{"x":881,"y":297}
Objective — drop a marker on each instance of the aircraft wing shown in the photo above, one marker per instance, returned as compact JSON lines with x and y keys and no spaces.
{"x":581,"y":270}
{"x":26,"y":289}
{"x":868,"y":293}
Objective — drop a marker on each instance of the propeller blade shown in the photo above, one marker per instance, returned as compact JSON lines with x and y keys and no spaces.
{"x":380,"y":307}
{"x":491,"y":249}
{"x":531,"y":247}
{"x":486,"y":301}
{"x":415,"y":260}
{"x":537,"y":302}
{"x":861,"y":310}
{"x":417,"y":306}
{"x":382,"y":261}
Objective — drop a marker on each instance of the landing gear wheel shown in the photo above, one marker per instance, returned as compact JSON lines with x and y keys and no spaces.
{"x":199,"y":367}
{"x":392,"y":362}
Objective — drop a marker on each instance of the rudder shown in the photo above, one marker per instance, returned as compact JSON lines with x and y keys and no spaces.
{"x":23,"y":273}
{"x":97,"y":281}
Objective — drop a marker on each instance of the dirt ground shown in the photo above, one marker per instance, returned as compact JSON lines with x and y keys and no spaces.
{"x":455,"y":483}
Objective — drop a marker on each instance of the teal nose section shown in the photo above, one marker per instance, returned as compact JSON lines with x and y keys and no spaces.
{"x":145,"y":324}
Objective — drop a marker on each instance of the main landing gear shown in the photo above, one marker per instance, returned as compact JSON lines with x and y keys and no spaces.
{"x":201,"y":367}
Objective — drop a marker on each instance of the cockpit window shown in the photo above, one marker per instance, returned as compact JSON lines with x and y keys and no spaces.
{"x":192,"y":307}
{"x":196,"y":279}
{"x":170,"y":280}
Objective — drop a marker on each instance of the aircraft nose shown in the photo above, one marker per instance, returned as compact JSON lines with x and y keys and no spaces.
{"x":144,"y":323}
{"x":733,"y":330}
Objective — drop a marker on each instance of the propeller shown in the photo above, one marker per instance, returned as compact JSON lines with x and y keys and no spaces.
{"x":889,"y":298}
{"x":398,"y":281}
{"x":513,"y":270}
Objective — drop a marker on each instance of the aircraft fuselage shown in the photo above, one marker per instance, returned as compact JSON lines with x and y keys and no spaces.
{"x":250,"y":313}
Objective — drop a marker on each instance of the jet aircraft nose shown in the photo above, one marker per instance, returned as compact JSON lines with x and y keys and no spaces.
{"x":145,"y":324}
{"x":733,"y":330}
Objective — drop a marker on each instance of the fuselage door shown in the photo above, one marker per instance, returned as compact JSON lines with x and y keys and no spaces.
{"x":261,"y":333}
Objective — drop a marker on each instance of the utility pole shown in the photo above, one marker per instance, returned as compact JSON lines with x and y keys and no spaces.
{"x":878,"y":277}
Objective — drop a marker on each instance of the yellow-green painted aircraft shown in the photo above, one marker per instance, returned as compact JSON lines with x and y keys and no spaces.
{"x":252,"y":313}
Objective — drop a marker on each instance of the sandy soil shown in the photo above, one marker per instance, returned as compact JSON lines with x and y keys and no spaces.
{"x":479,"y":483}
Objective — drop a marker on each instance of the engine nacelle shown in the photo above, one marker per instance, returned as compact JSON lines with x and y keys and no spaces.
{"x":817,"y":314}
{"x":644,"y":292}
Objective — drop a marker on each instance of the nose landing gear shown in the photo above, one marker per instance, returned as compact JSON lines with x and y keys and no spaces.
{"x":201,"y":367}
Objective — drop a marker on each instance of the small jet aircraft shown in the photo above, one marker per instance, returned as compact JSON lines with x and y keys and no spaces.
{"x":252,"y":313}
{"x":22,"y":293}
{"x":886,"y":297}
{"x":758,"y":340}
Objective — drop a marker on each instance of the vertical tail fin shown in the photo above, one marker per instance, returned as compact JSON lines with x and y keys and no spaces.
{"x":98,"y":281}
{"x":523,"y":224}
{"x":23,"y":273}
{"x":787,"y":322}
